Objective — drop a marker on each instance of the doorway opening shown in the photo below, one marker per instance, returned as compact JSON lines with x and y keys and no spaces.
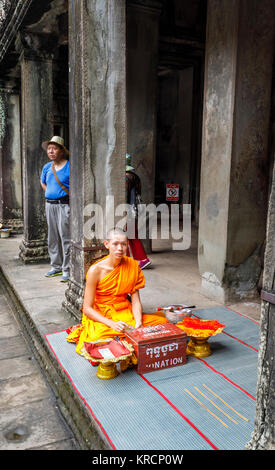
{"x":179,"y":109}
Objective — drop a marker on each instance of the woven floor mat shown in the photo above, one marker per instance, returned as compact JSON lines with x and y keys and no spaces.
{"x":202,"y":405}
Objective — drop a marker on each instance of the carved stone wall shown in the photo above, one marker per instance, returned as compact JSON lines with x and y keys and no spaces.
{"x":10,"y":159}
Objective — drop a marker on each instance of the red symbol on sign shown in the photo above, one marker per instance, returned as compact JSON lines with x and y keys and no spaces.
{"x":172,"y":192}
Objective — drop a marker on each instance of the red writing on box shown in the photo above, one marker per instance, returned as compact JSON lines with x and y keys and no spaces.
{"x":172,"y":192}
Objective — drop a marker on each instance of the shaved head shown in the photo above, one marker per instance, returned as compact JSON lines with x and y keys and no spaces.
{"x":116,"y":232}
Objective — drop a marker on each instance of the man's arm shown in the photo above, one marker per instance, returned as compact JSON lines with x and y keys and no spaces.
{"x":43,"y":178}
{"x":44,"y":186}
{"x":89,"y":296}
{"x":137,"y":309}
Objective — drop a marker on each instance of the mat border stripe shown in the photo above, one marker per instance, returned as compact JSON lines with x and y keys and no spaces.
{"x":79,"y":394}
{"x":226,"y":378}
{"x":179,"y":412}
{"x":243,"y":315}
{"x":240,"y":341}
{"x":234,"y":337}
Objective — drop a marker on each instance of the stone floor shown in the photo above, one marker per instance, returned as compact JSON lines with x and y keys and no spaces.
{"x":29,"y":415}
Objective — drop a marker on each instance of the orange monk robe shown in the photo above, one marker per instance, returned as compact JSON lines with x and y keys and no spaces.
{"x":112,"y":302}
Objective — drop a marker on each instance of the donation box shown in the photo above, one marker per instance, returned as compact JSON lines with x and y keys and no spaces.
{"x":158,"y":347}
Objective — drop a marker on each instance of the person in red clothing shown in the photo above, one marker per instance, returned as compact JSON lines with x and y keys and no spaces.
{"x":133,"y":191}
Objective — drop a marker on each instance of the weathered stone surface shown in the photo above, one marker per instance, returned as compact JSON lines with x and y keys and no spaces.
{"x":19,"y":390}
{"x":97,"y":35}
{"x":37,"y":98}
{"x":13,"y":9}
{"x":235,"y":145}
{"x":142,"y":48}
{"x":10,"y":349}
{"x":10,"y":158}
{"x":29,"y":417}
{"x":35,"y":250}
{"x":242,"y":280}
{"x":264,"y":431}
{"x":34,"y":418}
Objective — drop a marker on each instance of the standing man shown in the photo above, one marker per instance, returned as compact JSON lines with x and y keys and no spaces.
{"x":55,"y":179}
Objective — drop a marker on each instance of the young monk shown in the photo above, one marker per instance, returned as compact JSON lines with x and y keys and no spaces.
{"x":107,"y":312}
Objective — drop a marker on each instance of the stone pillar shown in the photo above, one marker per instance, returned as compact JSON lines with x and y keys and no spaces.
{"x":263,"y":437}
{"x":37,"y":126}
{"x":10,"y":158}
{"x":142,"y":61}
{"x":233,"y":202}
{"x":97,"y":86}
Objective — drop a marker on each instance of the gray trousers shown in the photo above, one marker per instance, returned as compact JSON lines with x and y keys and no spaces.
{"x":58,"y":219}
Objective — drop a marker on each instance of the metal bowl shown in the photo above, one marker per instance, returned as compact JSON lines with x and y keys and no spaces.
{"x":176,"y":313}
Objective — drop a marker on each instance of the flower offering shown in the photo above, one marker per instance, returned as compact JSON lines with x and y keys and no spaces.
{"x":198,"y":328}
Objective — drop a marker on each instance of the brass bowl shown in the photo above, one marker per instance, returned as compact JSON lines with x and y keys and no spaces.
{"x":107,"y":367}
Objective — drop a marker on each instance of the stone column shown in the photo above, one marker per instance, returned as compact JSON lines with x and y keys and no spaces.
{"x":263,"y":437}
{"x":10,"y":158}
{"x":37,"y":126}
{"x":97,"y":84}
{"x":142,"y":62}
{"x":233,"y":202}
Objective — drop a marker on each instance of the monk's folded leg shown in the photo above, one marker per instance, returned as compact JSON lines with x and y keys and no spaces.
{"x":151,"y":319}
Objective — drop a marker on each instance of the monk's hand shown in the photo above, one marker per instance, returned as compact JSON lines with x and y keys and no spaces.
{"x":138,"y":324}
{"x":120,"y":326}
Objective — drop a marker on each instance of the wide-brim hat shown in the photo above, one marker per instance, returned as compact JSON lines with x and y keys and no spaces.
{"x":55,"y":140}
